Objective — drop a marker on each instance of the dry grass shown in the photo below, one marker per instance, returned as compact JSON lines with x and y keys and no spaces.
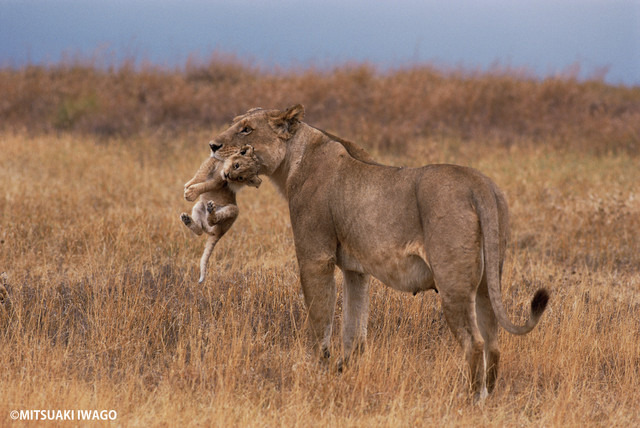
{"x":104,"y":310}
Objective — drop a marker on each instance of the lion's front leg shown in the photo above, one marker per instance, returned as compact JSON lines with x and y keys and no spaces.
{"x":218,"y":214}
{"x":190,"y":182}
{"x":319,"y":289}
{"x":192,"y":192}
{"x":203,"y":172}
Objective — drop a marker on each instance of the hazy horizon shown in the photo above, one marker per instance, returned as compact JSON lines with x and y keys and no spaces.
{"x":544,"y":37}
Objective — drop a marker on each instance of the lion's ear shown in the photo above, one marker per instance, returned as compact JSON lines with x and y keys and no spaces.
{"x":295,"y":112}
{"x":254,"y":181}
{"x":286,"y":123}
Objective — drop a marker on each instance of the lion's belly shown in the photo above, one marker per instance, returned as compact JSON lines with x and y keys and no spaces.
{"x":402,"y":268}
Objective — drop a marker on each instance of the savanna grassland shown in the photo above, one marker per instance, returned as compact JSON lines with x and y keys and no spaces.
{"x":102,"y":308}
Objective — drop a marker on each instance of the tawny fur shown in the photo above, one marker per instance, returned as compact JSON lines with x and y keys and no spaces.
{"x":442,"y":227}
{"x":216,"y":183}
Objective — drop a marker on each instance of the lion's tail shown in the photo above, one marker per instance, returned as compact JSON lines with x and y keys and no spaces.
{"x":487,"y":207}
{"x":204,"y":260}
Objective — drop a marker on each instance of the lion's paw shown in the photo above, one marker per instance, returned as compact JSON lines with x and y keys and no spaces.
{"x":190,"y":194}
{"x":186,"y":219}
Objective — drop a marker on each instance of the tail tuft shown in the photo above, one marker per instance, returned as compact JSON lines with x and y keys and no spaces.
{"x":539,"y":302}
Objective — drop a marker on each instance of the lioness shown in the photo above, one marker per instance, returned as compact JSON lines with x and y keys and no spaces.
{"x":441,"y":227}
{"x":216,"y":182}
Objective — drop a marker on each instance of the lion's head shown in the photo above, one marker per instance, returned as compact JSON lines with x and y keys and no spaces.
{"x":242,"y":167}
{"x":265,"y":130}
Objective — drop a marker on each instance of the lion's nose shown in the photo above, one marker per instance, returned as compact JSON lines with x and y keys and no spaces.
{"x":214,"y":146}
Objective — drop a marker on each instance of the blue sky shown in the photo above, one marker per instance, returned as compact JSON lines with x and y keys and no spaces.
{"x":544,"y":36}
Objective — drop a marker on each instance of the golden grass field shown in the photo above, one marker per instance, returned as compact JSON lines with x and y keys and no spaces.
{"x":104,"y":312}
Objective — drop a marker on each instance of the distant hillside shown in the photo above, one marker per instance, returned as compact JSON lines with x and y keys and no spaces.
{"x":386,"y":108}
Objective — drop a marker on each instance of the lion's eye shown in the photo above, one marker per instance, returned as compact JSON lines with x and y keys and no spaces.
{"x":246,"y":130}
{"x":236,"y":166}
{"x":240,"y":178}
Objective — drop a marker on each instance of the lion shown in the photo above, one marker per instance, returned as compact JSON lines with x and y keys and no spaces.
{"x":438,"y":227}
{"x":216,"y":182}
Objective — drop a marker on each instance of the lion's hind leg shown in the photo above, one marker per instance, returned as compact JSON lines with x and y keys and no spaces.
{"x":456,"y":262}
{"x":460,"y":313}
{"x":217,"y":214}
{"x":457,"y":281}
{"x":198,"y":218}
{"x":188,"y":221}
{"x":489,"y":329}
